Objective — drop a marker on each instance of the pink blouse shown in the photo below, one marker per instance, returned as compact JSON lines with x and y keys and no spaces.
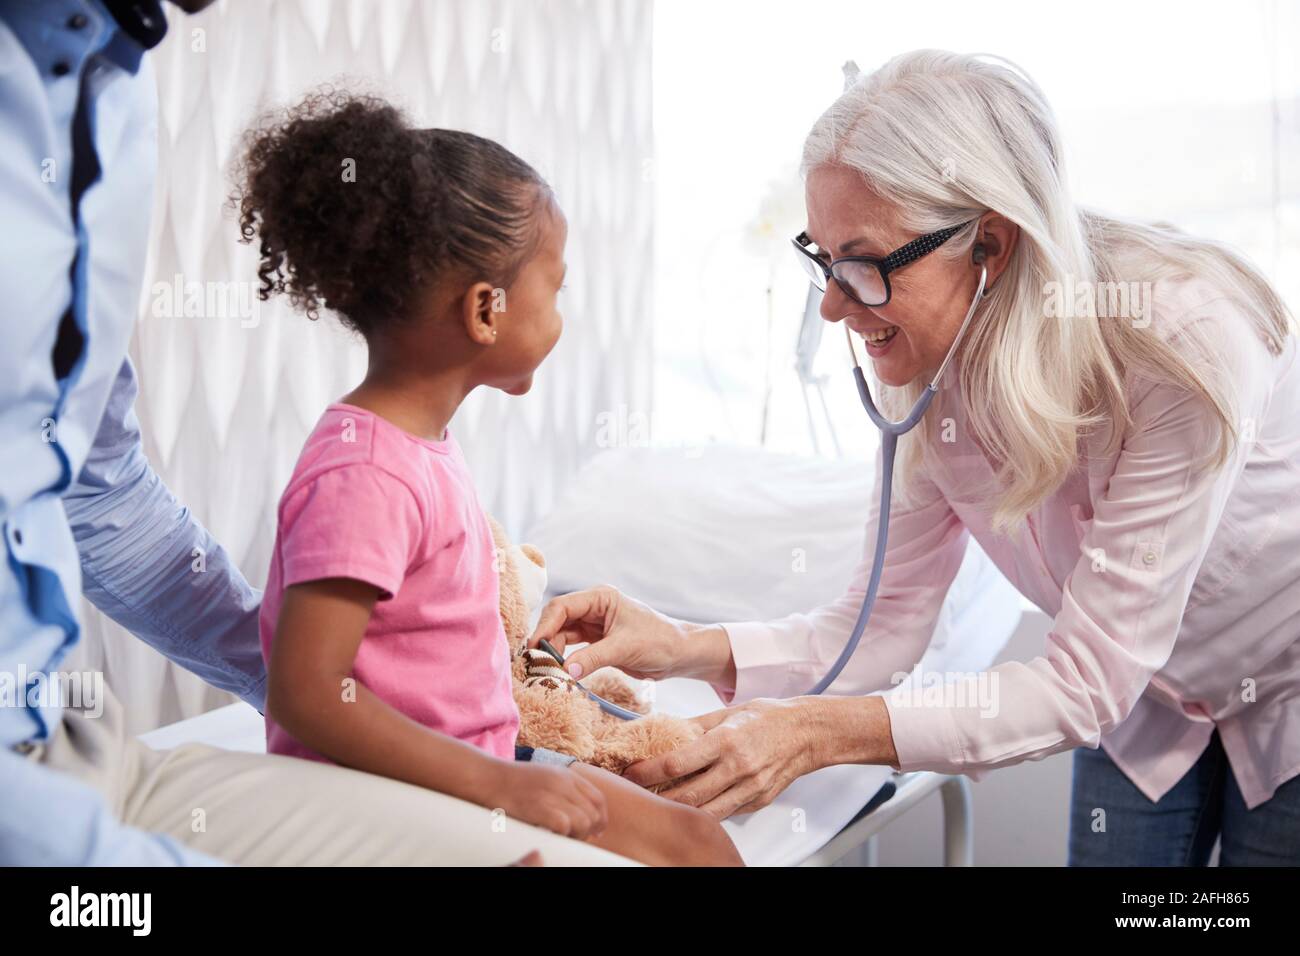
{"x":1174,"y":591}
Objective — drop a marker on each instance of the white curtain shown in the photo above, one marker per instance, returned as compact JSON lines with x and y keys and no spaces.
{"x":227,"y":399}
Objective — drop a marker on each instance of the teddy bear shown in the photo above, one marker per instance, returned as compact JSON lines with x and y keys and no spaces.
{"x":553,"y":710}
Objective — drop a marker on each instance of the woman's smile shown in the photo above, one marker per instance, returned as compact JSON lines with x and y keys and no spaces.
{"x":877,"y":338}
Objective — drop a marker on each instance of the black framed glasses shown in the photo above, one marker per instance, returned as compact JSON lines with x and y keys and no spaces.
{"x":865,"y":279}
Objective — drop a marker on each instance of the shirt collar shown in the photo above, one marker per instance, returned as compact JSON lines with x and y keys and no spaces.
{"x":141,"y":25}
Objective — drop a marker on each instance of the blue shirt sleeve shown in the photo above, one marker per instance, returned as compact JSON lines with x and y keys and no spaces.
{"x":60,"y":821}
{"x":77,"y":117}
{"x":149,"y":565}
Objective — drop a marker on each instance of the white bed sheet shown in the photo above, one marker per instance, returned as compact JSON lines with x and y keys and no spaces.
{"x":814,"y":808}
{"x":805,"y":817}
{"x":715,"y":534}
{"x":801,"y":821}
{"x":979,"y":617}
{"x":708,"y":535}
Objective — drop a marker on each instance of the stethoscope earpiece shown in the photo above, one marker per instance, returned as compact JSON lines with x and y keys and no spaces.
{"x":977,"y":256}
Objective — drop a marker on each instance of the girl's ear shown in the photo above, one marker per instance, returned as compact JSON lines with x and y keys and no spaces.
{"x":480,"y":312}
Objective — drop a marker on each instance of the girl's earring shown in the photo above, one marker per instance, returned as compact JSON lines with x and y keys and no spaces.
{"x":494,"y":333}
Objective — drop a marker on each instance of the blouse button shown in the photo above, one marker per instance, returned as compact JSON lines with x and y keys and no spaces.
{"x":1149,"y":558}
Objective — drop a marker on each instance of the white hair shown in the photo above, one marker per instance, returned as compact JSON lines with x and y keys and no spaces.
{"x":947,"y":137}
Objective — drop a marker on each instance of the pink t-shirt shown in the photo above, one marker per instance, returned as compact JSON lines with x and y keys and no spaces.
{"x":372,"y":502}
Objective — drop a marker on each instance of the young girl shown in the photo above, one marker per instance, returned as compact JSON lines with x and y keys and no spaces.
{"x":380,"y":621}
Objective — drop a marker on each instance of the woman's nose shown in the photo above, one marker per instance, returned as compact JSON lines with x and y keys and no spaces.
{"x":835,"y":304}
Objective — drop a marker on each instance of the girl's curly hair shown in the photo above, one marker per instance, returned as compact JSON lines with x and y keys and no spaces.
{"x":357,"y":211}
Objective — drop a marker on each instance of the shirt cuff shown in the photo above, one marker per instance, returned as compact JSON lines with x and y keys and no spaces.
{"x":925,"y":736}
{"x":766,"y":666}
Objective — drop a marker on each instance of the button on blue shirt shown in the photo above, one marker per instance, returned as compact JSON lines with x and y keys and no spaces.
{"x":79,"y":505}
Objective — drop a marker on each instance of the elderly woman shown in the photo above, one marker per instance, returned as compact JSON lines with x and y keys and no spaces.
{"x":1119,"y":430}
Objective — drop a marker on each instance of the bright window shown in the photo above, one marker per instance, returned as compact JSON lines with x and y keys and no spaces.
{"x":1183,"y":111}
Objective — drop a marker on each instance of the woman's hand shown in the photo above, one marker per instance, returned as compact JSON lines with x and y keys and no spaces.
{"x":750,"y":753}
{"x":624,"y":633}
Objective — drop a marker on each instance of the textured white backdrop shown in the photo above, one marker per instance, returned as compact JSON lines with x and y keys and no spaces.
{"x":225,"y":408}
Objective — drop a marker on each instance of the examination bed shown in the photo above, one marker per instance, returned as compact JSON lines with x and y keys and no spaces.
{"x":714,"y":534}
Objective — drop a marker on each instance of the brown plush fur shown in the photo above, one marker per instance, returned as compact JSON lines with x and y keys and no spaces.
{"x":564,"y":718}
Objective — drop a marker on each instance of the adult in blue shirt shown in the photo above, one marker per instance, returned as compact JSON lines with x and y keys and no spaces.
{"x":81,"y":508}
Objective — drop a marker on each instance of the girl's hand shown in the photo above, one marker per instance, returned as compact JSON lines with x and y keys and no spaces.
{"x":624,"y":633}
{"x":321,"y":625}
{"x":554,"y":798}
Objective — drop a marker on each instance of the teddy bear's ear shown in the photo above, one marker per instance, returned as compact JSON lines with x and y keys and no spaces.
{"x":531,"y":577}
{"x":533,"y":555}
{"x":498,"y":533}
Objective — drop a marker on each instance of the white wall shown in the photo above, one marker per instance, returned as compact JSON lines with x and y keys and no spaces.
{"x":226,"y":398}
{"x":1181,"y":110}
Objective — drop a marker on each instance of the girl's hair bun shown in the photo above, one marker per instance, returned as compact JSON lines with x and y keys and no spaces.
{"x":357,"y":211}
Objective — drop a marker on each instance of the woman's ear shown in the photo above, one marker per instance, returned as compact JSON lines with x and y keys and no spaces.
{"x":480,"y":312}
{"x":998,"y":235}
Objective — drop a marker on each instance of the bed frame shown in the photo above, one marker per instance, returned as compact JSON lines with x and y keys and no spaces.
{"x":856,"y":845}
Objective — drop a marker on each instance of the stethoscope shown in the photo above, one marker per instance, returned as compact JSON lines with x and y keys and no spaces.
{"x":890,"y":432}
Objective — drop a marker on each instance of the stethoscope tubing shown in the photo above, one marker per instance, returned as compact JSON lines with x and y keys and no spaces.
{"x":890,"y":432}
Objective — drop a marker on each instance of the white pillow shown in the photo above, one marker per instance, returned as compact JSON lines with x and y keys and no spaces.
{"x":715,"y":534}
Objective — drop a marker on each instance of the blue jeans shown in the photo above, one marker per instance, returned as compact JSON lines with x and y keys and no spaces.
{"x":1180,"y":828}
